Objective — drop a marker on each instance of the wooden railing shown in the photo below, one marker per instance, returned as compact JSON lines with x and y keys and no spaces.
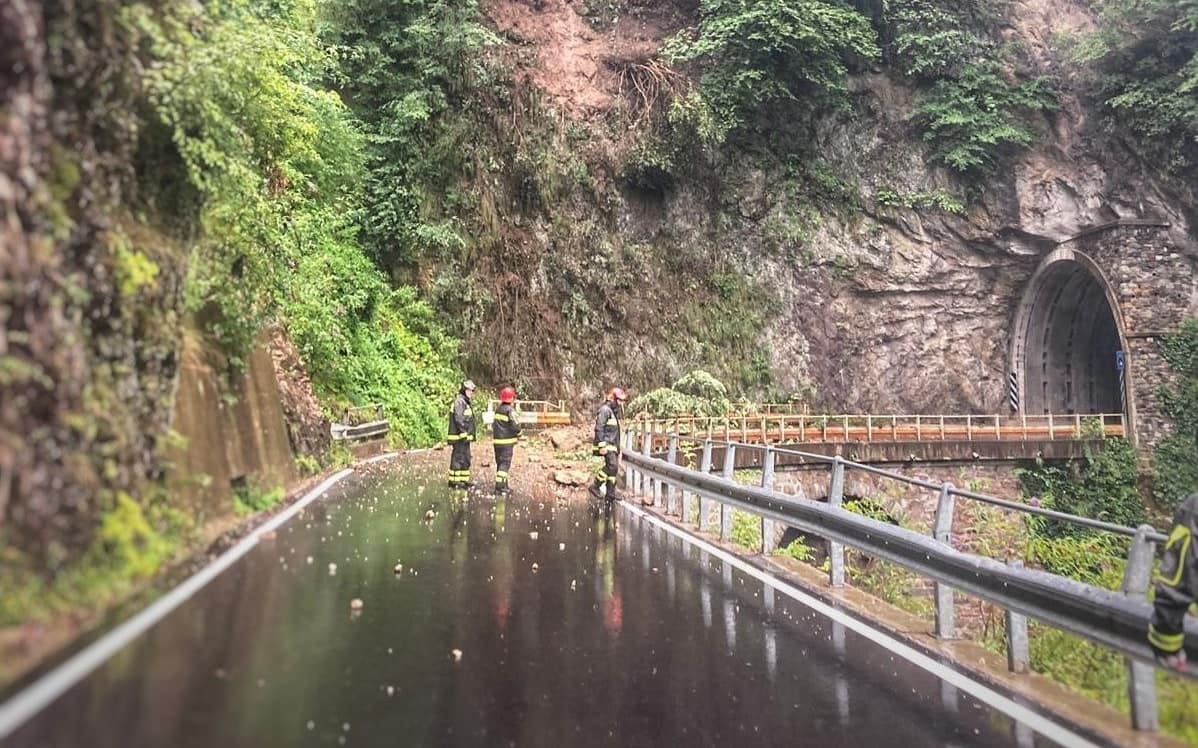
{"x":799,"y":429}
{"x":535,"y":412}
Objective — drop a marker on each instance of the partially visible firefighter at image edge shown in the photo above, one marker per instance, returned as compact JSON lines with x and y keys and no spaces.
{"x":506,"y":430}
{"x":1176,"y":588}
{"x":461,"y":433}
{"x":607,"y":445}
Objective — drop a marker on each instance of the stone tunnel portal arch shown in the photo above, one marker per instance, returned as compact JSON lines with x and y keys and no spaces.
{"x":1068,"y":345}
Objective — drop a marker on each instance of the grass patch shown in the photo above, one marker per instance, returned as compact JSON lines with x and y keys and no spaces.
{"x":255,"y":496}
{"x":746,"y":530}
{"x":132,"y":542}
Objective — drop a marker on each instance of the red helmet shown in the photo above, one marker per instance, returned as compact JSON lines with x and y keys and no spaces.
{"x":507,"y":395}
{"x":617,"y":393}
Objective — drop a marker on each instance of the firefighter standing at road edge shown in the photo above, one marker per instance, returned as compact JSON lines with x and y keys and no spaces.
{"x":607,"y":444}
{"x":506,"y":430}
{"x":461,"y":433}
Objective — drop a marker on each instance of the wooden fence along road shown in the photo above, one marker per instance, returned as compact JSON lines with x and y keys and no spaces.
{"x":896,"y":438}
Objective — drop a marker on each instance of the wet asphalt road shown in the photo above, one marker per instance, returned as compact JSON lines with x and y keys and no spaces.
{"x":513,"y":622}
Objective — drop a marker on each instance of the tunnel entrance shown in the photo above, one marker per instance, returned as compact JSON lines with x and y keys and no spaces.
{"x":1068,"y":351}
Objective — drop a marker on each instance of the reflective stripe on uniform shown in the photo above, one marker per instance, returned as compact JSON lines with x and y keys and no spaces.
{"x":612,"y":422}
{"x":1165,"y":642}
{"x":500,"y":474}
{"x":601,"y":445}
{"x":611,"y":479}
{"x":502,"y":442}
{"x":1181,"y":534}
{"x":501,"y":417}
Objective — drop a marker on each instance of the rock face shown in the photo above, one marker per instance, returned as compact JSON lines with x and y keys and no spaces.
{"x":89,"y":297}
{"x":307,"y":426}
{"x":874,"y":307}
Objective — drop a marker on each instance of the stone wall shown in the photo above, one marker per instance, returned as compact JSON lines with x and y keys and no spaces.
{"x":231,"y":434}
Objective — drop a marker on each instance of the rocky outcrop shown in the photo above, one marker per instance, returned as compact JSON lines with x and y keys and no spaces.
{"x":307,"y":425}
{"x":869,"y":305}
{"x":88,"y":297}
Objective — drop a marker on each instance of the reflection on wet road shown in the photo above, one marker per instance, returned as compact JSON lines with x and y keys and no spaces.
{"x":510,"y":623}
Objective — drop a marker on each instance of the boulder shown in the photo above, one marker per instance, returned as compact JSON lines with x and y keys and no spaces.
{"x":565,"y":440}
{"x":570,"y":478}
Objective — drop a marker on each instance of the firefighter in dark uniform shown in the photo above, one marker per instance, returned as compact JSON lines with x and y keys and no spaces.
{"x":461,"y":433}
{"x":1176,"y":587}
{"x":607,"y":445}
{"x":506,"y":430}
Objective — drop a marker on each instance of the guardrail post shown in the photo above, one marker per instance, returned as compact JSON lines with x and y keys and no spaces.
{"x":671,"y":492}
{"x":625,"y":441}
{"x":725,"y":510}
{"x":767,"y":482}
{"x":646,"y":450}
{"x":942,"y":532}
{"x":1017,"y":644}
{"x":836,"y":499}
{"x":705,"y":468}
{"x":1141,"y":677}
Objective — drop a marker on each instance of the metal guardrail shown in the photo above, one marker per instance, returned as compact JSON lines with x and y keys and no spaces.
{"x":353,"y":427}
{"x":772,"y":428}
{"x":1117,"y":620}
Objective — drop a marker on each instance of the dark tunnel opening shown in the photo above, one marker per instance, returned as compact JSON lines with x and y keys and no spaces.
{"x":1071,"y":344}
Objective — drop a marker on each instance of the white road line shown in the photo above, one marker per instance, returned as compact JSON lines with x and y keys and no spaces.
{"x":24,"y":705}
{"x":1037,"y":722}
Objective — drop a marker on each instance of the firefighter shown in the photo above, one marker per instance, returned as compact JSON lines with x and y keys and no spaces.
{"x":506,"y":430}
{"x":1176,"y":587}
{"x":461,"y":433}
{"x":607,"y":445}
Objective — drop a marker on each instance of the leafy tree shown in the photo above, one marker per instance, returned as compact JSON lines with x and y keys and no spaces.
{"x":761,"y":53}
{"x":279,"y":161}
{"x":697,"y":393}
{"x":405,"y":66}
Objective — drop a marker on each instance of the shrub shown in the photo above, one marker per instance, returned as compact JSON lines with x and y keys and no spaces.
{"x":759,"y":53}
{"x":969,"y":119}
{"x":1175,"y":460}
{"x":1144,"y":70}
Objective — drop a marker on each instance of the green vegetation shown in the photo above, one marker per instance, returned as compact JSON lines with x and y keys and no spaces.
{"x":255,"y":496}
{"x":130,"y":545}
{"x":766,"y":53}
{"x":408,"y":67}
{"x":278,"y":164}
{"x":698,"y":394}
{"x":969,"y":119}
{"x":974,"y":109}
{"x":929,"y":39}
{"x":936,"y":200}
{"x":797,"y":550}
{"x":1175,"y":461}
{"x":746,"y":530}
{"x":1143,"y":67}
{"x":307,"y":465}
{"x":1101,"y":486}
